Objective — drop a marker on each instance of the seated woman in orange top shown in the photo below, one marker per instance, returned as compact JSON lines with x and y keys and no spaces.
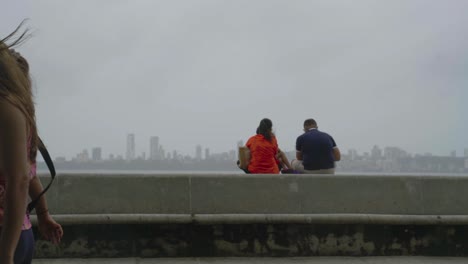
{"x":265,"y":156}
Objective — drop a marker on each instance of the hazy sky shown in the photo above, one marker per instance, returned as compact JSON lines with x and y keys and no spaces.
{"x":391,"y":73}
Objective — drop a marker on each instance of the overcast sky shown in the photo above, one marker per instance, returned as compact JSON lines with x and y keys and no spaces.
{"x":391,"y":73}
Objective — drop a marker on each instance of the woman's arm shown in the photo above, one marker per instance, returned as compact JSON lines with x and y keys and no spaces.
{"x":35,"y":188}
{"x":14,"y":166}
{"x":48,"y":228}
{"x":281,"y":156}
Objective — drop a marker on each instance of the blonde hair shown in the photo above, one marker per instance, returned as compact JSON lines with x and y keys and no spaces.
{"x":15,"y":84}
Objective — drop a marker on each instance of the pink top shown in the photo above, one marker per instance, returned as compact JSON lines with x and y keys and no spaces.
{"x":32,"y":173}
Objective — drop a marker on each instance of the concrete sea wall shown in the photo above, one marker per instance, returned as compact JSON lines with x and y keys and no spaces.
{"x":258,"y":215}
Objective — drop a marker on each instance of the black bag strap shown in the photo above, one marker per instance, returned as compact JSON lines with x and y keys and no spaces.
{"x":50,"y":165}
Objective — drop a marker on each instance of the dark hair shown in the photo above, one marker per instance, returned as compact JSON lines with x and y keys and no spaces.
{"x":25,"y":35}
{"x":310,"y":122}
{"x":265,"y":128}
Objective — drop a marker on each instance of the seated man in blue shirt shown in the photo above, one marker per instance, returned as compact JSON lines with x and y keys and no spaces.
{"x":316,"y":151}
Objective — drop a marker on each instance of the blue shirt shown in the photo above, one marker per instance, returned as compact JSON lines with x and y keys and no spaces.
{"x":317,"y":150}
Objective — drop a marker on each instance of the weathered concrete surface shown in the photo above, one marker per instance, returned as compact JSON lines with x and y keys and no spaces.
{"x":258,"y":215}
{"x":129,"y":194}
{"x":256,"y":240}
{"x":195,"y":198}
{"x":314,"y":260}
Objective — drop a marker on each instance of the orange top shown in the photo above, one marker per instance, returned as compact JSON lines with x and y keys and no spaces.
{"x":262,"y":155}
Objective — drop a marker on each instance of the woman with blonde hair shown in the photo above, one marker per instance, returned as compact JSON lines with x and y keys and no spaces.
{"x":18,"y":149}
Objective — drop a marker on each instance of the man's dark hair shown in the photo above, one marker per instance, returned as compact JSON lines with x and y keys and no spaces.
{"x":310,"y":122}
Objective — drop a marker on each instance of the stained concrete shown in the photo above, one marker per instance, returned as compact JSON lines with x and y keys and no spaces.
{"x":315,"y":260}
{"x":219,"y":215}
{"x":255,"y":240}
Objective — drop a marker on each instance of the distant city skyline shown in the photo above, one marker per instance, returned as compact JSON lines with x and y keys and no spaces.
{"x":376,"y":160}
{"x":155,"y":151}
{"x":204,"y":72}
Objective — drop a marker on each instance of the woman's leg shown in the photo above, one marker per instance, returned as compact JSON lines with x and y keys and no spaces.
{"x":25,"y":249}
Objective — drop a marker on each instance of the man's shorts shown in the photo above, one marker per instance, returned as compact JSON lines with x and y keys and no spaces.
{"x":297,"y":165}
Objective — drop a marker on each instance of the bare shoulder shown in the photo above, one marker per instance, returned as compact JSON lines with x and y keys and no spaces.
{"x":11,"y":118}
{"x":13,"y":141}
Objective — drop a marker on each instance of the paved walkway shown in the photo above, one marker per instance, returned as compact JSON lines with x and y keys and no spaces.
{"x":312,"y":260}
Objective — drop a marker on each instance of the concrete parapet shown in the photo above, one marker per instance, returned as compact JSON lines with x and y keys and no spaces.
{"x":379,"y":199}
{"x":257,"y":215}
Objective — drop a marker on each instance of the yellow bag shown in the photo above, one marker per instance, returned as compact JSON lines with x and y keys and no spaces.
{"x":244,"y":157}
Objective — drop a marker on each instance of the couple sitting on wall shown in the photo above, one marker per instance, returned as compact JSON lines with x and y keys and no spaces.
{"x":316,"y":152}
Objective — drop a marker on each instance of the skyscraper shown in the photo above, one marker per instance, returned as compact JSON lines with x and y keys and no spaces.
{"x":207,"y":153}
{"x":376,"y":153}
{"x":162,"y":152}
{"x":154,"y":148}
{"x":198,"y":153}
{"x":130,"y":155}
{"x":96,"y":154}
{"x":83,"y":156}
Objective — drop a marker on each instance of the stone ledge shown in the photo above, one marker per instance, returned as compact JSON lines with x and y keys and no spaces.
{"x":201,"y":195}
{"x":86,"y":219}
{"x":311,"y":260}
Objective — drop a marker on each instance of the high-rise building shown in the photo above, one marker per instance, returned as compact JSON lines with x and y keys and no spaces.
{"x":83,"y":156}
{"x":466,"y":153}
{"x":60,"y":159}
{"x":232,"y":155}
{"x":376,"y":153}
{"x":162,"y":152}
{"x":96,"y":154}
{"x":154,"y":148}
{"x":453,"y":154}
{"x":130,"y":155}
{"x":353,"y":154}
{"x":394,"y":153}
{"x":207,"y":153}
{"x":198,"y":152}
